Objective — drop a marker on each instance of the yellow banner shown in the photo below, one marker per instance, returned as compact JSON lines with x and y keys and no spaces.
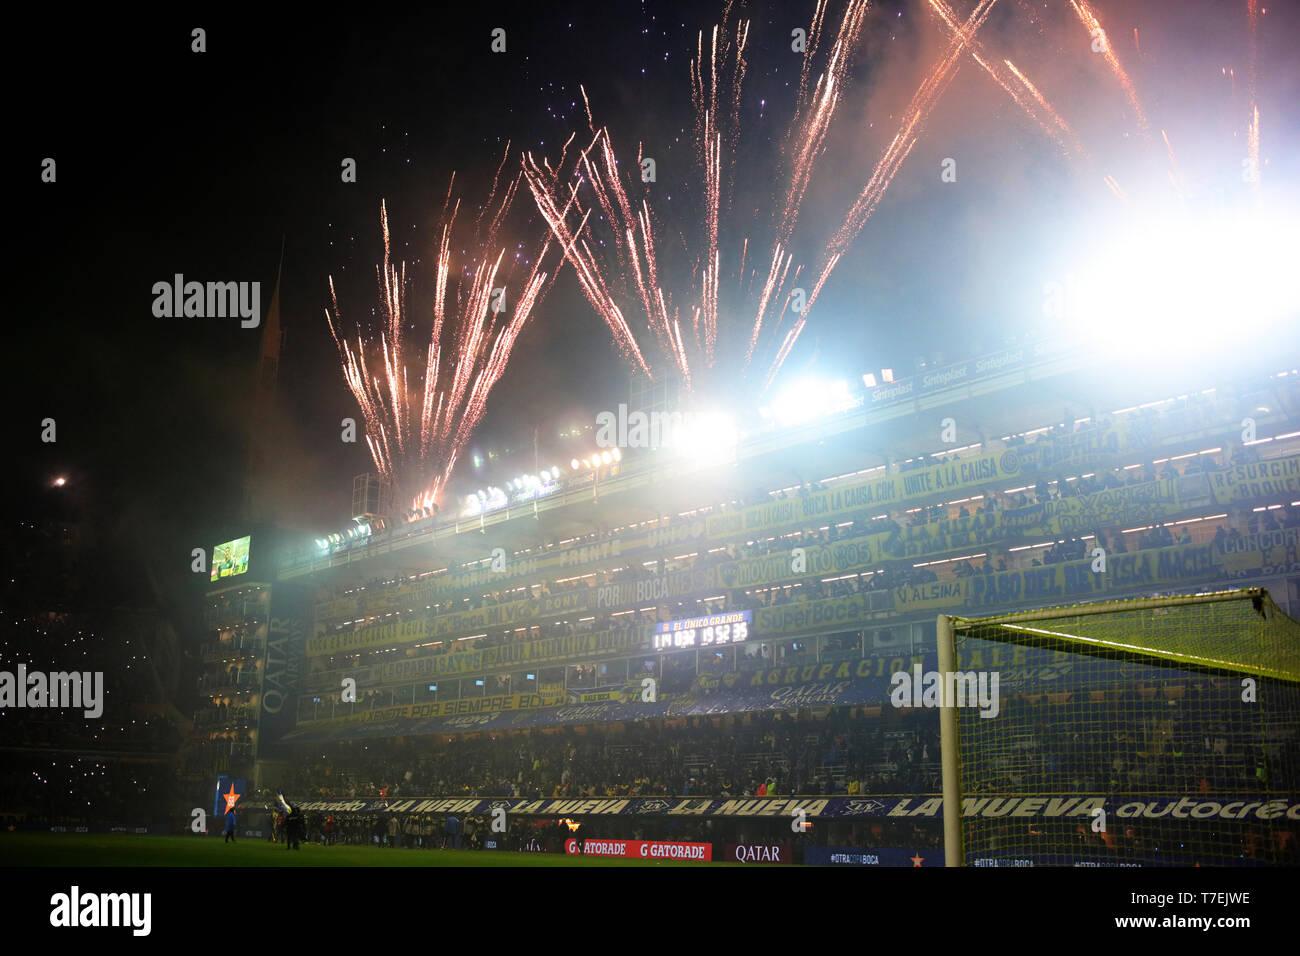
{"x":804,"y":616}
{"x":1278,"y":478}
{"x":1070,"y":583}
{"x":600,"y":696}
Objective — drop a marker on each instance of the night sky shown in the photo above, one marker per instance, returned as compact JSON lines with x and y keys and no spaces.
{"x":202,"y":164}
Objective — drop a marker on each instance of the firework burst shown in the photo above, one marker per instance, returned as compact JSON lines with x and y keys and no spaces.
{"x":417,"y":422}
{"x":734,"y":306}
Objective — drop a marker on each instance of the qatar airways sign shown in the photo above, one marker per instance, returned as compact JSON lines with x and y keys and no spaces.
{"x":641,"y":849}
{"x":756,"y":853}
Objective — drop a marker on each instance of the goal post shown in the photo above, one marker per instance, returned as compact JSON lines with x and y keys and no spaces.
{"x":1157,"y":731}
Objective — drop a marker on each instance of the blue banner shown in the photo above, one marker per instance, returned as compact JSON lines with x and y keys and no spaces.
{"x":287,"y":634}
{"x":1191,"y":809}
{"x":872,"y":856}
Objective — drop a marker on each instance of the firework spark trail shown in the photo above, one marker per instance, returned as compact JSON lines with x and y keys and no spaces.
{"x":1175,"y":177}
{"x":1252,"y":21}
{"x":1047,"y":108}
{"x":1252,"y":144}
{"x":1089,"y":20}
{"x":1252,"y":130}
{"x":813,"y":115}
{"x":1057,"y":128}
{"x":814,"y":35}
{"x":1114,"y":187}
{"x":543,"y":183}
{"x":620,"y":275}
{"x":415,"y":435}
{"x":918,"y":111}
{"x":923,"y":101}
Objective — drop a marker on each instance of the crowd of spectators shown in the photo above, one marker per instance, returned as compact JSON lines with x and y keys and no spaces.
{"x":844,"y":753}
{"x":1181,"y":738}
{"x":71,"y":789}
{"x":129,"y":700}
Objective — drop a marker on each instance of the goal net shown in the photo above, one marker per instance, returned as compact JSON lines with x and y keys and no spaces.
{"x":1130,"y":733}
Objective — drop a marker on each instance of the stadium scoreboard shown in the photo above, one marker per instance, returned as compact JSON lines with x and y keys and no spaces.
{"x":712,"y":630}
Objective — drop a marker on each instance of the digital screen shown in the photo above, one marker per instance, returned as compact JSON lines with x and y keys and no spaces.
{"x":230,"y":558}
{"x":713,"y":630}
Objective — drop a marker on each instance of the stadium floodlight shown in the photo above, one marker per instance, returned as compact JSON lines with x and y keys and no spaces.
{"x":1177,"y":285}
{"x":886,"y":374}
{"x":869,"y":379}
{"x":808,"y":399}
{"x":605,"y":458}
{"x":574,"y":464}
{"x":618,"y":455}
{"x":709,"y":434}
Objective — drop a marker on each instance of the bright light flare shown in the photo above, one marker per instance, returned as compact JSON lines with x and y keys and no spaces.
{"x":707,"y":436}
{"x":807,"y":400}
{"x":1188,"y":285}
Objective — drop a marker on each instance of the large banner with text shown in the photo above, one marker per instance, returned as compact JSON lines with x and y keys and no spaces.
{"x":1196,"y":809}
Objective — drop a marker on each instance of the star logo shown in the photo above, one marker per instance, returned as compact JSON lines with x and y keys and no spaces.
{"x":918,"y":859}
{"x":863,"y":807}
{"x":231,"y":798}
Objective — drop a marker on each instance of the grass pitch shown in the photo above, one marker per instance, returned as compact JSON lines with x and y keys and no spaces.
{"x":122,"y":849}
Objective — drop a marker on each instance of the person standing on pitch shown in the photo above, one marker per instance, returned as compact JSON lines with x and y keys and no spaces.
{"x":293,"y":824}
{"x":230,"y":825}
{"x":297,"y":828}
